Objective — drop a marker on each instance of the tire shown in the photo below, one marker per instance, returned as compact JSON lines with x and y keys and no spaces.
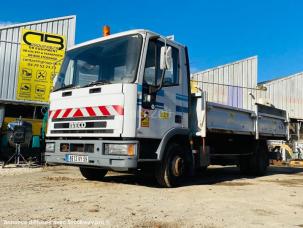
{"x":244,"y":165}
{"x":93,"y":173}
{"x":174,"y":167}
{"x":257,"y":163}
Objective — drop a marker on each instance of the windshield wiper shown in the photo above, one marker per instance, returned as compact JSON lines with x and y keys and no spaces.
{"x":65,"y":87}
{"x":97,"y":82}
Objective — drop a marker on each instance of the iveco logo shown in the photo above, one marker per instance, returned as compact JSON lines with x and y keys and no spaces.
{"x":77,"y":125}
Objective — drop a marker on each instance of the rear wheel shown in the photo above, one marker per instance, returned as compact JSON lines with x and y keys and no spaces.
{"x":174,"y":167}
{"x":257,"y":163}
{"x":93,"y":173}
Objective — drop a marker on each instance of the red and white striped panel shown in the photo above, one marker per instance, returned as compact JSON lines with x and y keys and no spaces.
{"x":109,"y":110}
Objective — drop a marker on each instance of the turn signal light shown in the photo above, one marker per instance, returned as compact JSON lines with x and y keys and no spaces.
{"x":131,"y":150}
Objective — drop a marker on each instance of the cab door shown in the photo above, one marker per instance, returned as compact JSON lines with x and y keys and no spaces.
{"x":160,"y":110}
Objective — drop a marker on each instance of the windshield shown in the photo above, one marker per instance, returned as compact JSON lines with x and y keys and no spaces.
{"x":111,"y":61}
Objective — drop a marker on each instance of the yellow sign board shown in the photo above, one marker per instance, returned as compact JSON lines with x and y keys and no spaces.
{"x":144,"y":118}
{"x":41,"y":55}
{"x":164,"y":115}
{"x":193,"y":86}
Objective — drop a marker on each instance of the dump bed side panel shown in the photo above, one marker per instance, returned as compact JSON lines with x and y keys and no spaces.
{"x":212,"y":117}
{"x":272,"y":122}
{"x":227,"y":119}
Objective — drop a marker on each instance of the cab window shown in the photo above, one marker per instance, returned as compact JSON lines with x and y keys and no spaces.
{"x":152,"y":71}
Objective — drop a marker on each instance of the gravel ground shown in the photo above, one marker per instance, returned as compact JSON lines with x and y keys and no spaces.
{"x":61,"y":197}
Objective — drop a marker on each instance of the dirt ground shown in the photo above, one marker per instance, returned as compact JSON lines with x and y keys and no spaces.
{"x":61,"y":197}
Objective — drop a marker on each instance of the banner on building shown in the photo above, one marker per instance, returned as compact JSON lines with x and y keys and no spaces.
{"x":41,"y":55}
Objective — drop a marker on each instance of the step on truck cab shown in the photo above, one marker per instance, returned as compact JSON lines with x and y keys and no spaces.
{"x":123,"y":102}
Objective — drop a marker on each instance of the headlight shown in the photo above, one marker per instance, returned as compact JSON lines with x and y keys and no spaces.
{"x":119,"y":149}
{"x":50,"y":147}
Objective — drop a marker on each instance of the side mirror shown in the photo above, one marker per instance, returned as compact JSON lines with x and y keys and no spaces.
{"x":165,"y":58}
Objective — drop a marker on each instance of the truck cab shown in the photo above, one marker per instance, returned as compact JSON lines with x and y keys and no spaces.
{"x":118,"y":102}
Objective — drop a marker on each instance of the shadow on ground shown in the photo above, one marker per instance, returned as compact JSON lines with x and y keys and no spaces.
{"x":213,"y":175}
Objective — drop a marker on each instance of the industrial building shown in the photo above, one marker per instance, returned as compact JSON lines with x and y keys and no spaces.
{"x":18,"y":83}
{"x":233,"y":84}
{"x":286,"y":93}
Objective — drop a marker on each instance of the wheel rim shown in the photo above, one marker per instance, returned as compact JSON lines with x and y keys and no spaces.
{"x":177,"y":166}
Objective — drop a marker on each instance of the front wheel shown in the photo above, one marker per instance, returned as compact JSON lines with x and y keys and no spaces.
{"x":93,"y":173}
{"x":174,"y":167}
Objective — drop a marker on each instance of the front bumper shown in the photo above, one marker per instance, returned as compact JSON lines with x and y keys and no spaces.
{"x":97,"y":158}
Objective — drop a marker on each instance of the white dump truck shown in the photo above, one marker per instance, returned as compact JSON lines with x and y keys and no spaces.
{"x":123,"y":102}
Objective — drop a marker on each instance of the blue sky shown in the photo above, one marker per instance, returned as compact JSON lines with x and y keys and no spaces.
{"x":215,"y":31}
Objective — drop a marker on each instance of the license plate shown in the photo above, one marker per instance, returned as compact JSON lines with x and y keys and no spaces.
{"x":76,"y":158}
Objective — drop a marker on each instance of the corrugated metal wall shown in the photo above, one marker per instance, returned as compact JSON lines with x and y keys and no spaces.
{"x":286,"y":93}
{"x":10,"y":39}
{"x":232,"y":84}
